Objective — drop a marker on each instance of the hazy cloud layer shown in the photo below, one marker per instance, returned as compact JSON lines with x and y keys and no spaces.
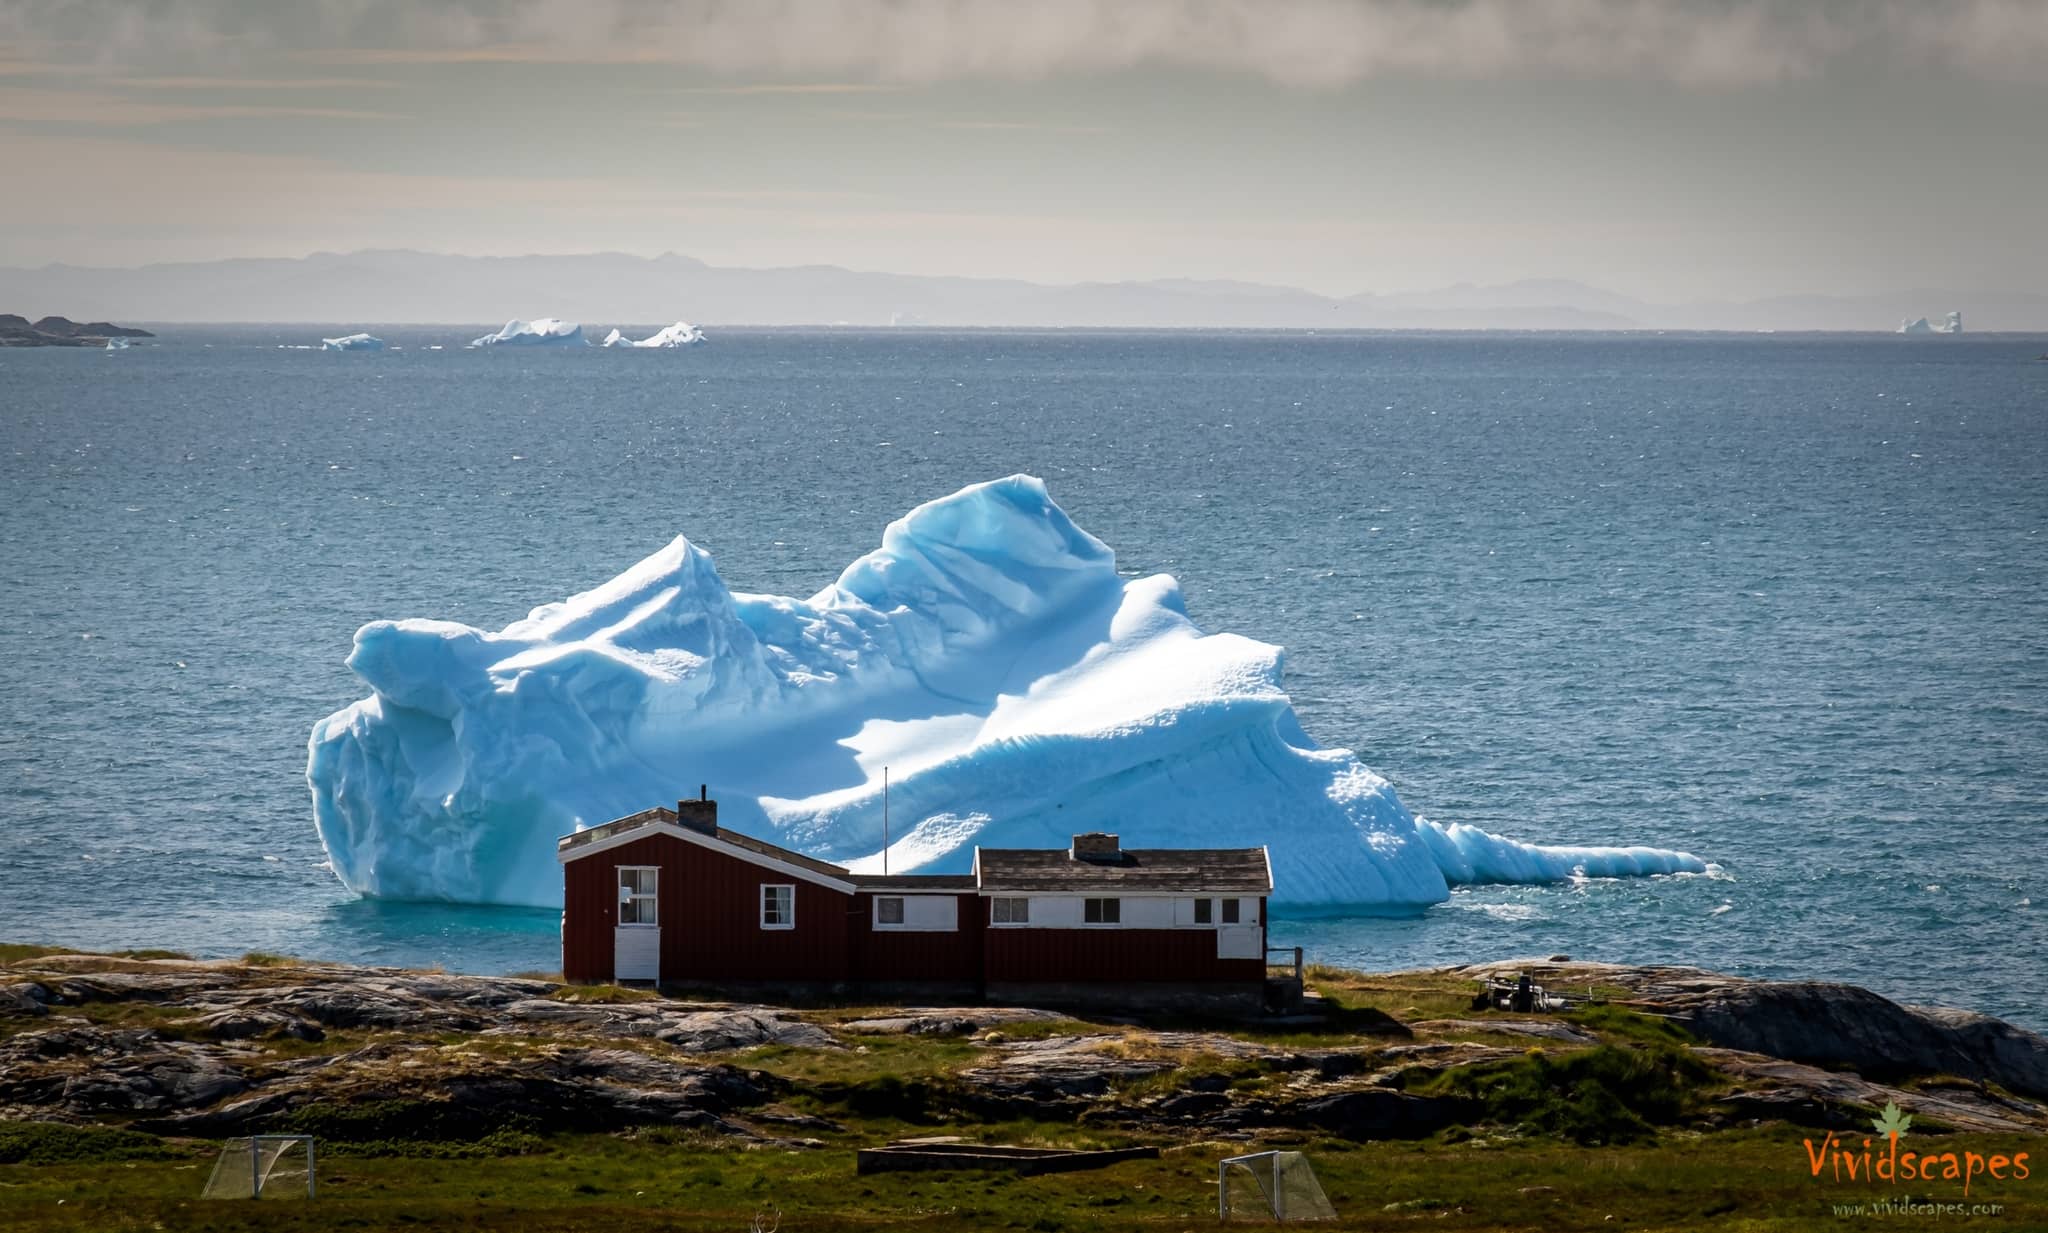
{"x":1302,"y":43}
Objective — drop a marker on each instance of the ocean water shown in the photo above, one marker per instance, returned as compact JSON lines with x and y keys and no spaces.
{"x":1781,"y":601}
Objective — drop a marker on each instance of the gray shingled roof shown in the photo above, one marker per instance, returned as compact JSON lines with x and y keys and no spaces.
{"x":1240,"y":871}
{"x":759,"y":847}
{"x":1234,"y":871}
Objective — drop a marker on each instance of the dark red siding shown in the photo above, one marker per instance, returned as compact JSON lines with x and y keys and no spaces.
{"x":710,"y":919}
{"x":710,"y":910}
{"x":590,"y":902}
{"x":1045,"y":956}
{"x":901,"y":955}
{"x":713,"y":932}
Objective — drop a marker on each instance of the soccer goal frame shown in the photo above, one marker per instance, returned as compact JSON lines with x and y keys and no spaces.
{"x":249,"y":1165}
{"x":1286,"y":1186}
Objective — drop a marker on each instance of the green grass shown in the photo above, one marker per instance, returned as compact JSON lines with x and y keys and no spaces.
{"x":1562,"y":1137}
{"x":429,"y":1129}
{"x":1757,"y":1182}
{"x":51,"y":1143}
{"x":1604,"y":1095}
{"x":1618,"y":1022}
{"x":602,"y":994}
{"x":865,"y":1058}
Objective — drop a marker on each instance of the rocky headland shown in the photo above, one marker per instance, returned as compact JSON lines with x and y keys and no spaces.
{"x":19,"y":331}
{"x":205,"y":1049}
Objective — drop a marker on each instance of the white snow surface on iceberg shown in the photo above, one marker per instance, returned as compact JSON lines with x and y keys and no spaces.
{"x":1018,"y":689}
{"x":543,"y":332}
{"x":352,"y":342}
{"x":1951,"y":324}
{"x":681,"y":334}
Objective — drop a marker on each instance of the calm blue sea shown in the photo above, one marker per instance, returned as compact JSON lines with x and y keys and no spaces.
{"x":1781,"y":601}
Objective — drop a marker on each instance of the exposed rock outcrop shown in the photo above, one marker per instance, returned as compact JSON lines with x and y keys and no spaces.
{"x":1815,"y":1022}
{"x":217,"y":1048}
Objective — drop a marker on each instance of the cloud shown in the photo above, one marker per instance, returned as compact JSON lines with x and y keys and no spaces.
{"x":795,"y":87}
{"x":225,"y":82}
{"x":1297,"y":43}
{"x":100,"y":109}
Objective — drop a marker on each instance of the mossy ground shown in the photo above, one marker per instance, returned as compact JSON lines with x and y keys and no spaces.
{"x":1571,"y":1137}
{"x":1742,"y":1180}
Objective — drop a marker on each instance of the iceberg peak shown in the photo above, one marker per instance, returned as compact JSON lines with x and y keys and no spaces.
{"x":541,"y":332}
{"x":1017,"y":688}
{"x":681,"y":334}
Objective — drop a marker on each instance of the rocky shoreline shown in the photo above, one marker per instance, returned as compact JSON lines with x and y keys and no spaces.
{"x":178,"y":1047}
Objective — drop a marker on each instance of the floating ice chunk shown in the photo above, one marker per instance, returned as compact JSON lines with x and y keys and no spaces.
{"x":1951,"y":324}
{"x":988,"y":653}
{"x":117,"y":343}
{"x":544,"y":332}
{"x":681,"y":334}
{"x":352,"y":342}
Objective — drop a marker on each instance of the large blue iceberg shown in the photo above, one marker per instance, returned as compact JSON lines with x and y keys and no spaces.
{"x":988,"y":654}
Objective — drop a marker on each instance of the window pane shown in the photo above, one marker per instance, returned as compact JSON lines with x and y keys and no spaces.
{"x":1230,"y":911}
{"x":1112,"y":911}
{"x":1009,"y":911}
{"x":1101,"y":911}
{"x":889,"y":911}
{"x":1203,"y":911}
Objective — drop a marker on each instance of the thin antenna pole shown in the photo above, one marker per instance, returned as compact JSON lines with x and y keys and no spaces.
{"x":885,"y":821}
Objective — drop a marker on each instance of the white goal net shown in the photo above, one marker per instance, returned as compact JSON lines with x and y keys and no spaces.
{"x":263,"y":1167}
{"x":1270,"y":1186}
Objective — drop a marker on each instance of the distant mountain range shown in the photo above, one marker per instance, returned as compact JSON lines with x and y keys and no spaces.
{"x":390,"y":287}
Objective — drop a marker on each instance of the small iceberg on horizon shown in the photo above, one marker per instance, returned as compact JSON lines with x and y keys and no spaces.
{"x":353,"y":342}
{"x":1951,"y":324}
{"x":541,"y":332}
{"x":987,"y":660}
{"x":681,"y":334}
{"x":117,"y":344}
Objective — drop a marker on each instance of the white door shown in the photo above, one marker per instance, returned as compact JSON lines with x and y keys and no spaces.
{"x":636,"y":942}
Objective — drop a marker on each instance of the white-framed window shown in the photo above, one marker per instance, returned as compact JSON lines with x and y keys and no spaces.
{"x":1231,"y":909}
{"x":916,"y":914}
{"x":639,"y":895}
{"x":1205,"y":911}
{"x":1009,"y":910}
{"x":1101,"y":911}
{"x":778,"y":905}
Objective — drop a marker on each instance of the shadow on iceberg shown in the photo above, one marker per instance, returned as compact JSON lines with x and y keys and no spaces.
{"x":987,"y":653}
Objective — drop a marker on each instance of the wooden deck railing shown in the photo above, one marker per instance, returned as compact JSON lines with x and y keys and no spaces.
{"x":1289,"y":967}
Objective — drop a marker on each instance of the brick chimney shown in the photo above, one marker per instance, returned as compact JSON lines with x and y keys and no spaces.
{"x":700,"y":815}
{"x":1097,"y":846}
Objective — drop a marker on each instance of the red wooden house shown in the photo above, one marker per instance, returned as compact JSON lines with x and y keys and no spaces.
{"x":672,"y":897}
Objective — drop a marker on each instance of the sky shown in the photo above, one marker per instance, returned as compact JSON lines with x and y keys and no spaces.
{"x":1665,"y":149}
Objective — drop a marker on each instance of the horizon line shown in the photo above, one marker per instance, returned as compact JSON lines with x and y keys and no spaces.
{"x":1163,"y":282}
